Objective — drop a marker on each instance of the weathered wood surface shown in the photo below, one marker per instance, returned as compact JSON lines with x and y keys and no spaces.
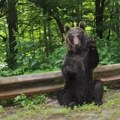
{"x":50,"y":82}
{"x":30,"y":91}
{"x":109,"y":74}
{"x":30,"y":78}
{"x":107,"y":71}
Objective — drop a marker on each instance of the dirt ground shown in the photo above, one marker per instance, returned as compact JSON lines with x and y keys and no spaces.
{"x":110,"y":110}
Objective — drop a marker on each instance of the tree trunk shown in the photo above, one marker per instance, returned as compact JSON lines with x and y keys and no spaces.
{"x":118,"y":18}
{"x":99,"y":10}
{"x":45,"y":39}
{"x":12,"y":28}
{"x":58,"y":20}
{"x":49,"y":38}
{"x":108,"y":37}
{"x":61,"y":26}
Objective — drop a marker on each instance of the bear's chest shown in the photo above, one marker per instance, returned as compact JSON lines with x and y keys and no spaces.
{"x":78,"y":60}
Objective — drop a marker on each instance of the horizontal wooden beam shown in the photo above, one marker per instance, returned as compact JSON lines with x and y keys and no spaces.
{"x":106,"y":71}
{"x":30,"y":91}
{"x":50,"y":82}
{"x":99,"y":72}
{"x":30,"y":78}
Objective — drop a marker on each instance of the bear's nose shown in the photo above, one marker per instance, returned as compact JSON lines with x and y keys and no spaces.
{"x":76,"y":40}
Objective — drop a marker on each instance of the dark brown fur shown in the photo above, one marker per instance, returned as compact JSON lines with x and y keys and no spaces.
{"x":82,"y":57}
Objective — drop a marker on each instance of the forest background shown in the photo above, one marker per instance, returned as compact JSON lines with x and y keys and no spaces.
{"x":32,"y":32}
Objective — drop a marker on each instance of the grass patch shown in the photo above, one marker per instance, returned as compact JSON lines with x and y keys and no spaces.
{"x":110,"y":109}
{"x":1,"y":109}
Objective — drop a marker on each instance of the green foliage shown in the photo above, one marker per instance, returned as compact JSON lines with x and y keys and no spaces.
{"x":31,"y":62}
{"x":38,"y":64}
{"x":106,"y":89}
{"x":109,"y":50}
{"x":87,"y":107}
{"x":25,"y":101}
{"x":56,"y":58}
{"x":41,"y":61}
{"x":109,"y":110}
{"x":1,"y":109}
{"x":5,"y":71}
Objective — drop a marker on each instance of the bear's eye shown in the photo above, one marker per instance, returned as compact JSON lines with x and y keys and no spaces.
{"x":71,"y":38}
{"x":80,"y":37}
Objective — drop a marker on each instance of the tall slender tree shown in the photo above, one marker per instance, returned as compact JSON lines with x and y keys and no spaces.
{"x":12,"y":29}
{"x":99,"y":11}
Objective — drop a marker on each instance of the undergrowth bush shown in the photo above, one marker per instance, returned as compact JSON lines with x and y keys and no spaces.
{"x":36,"y":60}
{"x":25,"y":101}
{"x":109,"y":50}
{"x":45,"y":64}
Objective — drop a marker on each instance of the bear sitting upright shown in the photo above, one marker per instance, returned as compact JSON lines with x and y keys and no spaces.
{"x":81,"y":59}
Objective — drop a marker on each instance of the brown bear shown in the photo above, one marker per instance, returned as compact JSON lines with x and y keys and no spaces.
{"x":81,"y":59}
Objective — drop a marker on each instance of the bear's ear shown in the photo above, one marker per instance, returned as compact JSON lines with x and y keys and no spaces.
{"x":66,"y":28}
{"x":82,"y":25}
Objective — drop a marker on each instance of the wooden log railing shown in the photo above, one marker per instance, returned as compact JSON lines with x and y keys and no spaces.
{"x":50,"y":82}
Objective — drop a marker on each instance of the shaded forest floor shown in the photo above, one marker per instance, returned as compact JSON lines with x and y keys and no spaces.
{"x":51,"y":110}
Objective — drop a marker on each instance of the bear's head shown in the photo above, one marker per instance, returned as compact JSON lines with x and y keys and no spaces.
{"x":75,"y":37}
